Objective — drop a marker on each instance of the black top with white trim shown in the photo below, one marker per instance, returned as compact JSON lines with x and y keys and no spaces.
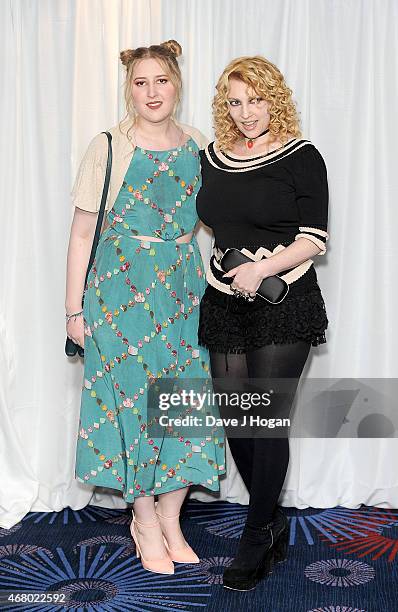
{"x":265,"y":200}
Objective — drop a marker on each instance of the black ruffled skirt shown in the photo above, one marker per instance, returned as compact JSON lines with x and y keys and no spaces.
{"x":230,"y":324}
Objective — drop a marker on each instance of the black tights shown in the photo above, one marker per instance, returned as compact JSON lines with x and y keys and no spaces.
{"x":262,"y":462}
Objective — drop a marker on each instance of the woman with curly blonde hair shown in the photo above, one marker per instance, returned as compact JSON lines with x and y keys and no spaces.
{"x":265,"y":196}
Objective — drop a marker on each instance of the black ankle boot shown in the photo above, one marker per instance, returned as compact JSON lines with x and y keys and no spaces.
{"x":281,"y":525}
{"x":259,"y":548}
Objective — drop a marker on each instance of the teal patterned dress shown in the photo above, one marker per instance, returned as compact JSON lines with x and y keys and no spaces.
{"x":141,"y":313}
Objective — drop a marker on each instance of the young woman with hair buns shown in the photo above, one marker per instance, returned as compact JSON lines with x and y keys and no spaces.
{"x":141,"y":308}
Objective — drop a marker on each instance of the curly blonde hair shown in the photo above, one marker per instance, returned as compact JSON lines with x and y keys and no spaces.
{"x":166,"y":54}
{"x":267,"y":82}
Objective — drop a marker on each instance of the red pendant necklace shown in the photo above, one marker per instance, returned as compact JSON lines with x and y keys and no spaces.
{"x":250,"y":141}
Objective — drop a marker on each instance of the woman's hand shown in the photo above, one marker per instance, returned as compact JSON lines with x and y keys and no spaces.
{"x":247,"y":277}
{"x":75,"y":330}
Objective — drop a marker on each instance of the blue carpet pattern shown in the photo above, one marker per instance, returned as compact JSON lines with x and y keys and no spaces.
{"x":339,"y":560}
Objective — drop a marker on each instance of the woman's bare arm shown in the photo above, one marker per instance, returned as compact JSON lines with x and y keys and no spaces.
{"x":80,"y":241}
{"x":248,"y":276}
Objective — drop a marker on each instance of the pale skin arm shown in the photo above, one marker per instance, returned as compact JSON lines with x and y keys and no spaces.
{"x":247,"y":277}
{"x":80,"y":241}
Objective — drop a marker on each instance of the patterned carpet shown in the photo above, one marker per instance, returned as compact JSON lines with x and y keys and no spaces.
{"x":340,"y":560}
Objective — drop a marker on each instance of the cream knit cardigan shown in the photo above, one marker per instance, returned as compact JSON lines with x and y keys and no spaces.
{"x":89,"y":182}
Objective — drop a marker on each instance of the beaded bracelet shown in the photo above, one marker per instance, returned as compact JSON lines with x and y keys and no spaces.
{"x":74,"y":314}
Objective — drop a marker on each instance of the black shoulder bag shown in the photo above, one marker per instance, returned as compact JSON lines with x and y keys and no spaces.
{"x":70,"y":347}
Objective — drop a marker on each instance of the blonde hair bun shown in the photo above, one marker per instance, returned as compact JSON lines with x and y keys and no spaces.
{"x":126,"y":56}
{"x":173,"y":46}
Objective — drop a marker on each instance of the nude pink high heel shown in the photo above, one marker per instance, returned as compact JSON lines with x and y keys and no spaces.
{"x":159,"y":566}
{"x":179,"y":555}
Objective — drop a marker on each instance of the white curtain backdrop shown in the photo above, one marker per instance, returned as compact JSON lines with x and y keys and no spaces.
{"x":61,"y":83}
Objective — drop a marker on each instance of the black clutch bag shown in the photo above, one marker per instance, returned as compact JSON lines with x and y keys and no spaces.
{"x":71,"y":348}
{"x":273,"y":289}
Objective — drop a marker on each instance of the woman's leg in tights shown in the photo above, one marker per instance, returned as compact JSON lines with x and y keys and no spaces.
{"x":262,"y":462}
{"x":271,"y":455}
{"x":235,"y":366}
{"x":270,"y":458}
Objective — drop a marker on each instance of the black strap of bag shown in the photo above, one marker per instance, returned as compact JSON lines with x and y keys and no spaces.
{"x":71,"y":348}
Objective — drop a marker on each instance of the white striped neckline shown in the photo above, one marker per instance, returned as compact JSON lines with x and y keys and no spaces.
{"x":238,"y":163}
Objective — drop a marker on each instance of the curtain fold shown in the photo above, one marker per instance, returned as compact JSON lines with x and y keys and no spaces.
{"x":62,"y":82}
